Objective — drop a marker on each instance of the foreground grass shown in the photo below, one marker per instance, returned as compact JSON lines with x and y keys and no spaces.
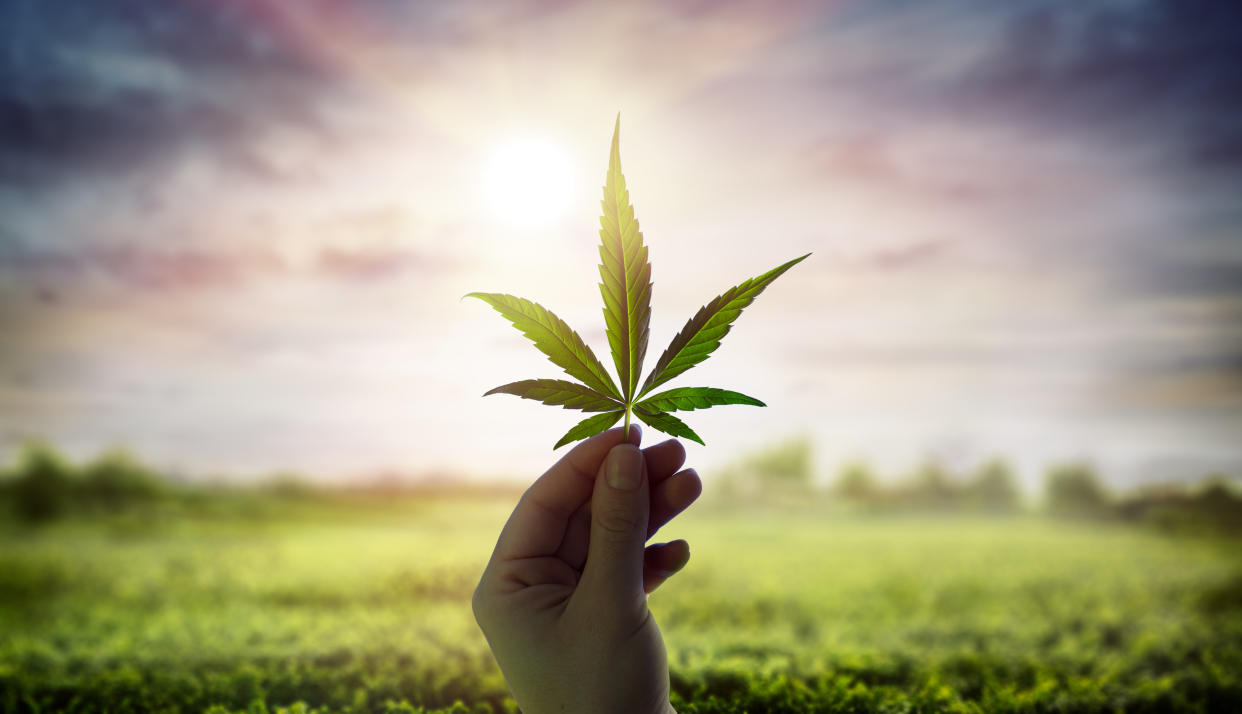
{"x":368,"y":610}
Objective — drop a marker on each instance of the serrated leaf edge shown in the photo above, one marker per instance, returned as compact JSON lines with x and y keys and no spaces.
{"x":625,"y":274}
{"x":713,"y":395}
{"x":592,"y":369}
{"x":707,"y":322}
{"x":588,"y":427}
{"x":601,"y":403}
{"x":651,"y":420}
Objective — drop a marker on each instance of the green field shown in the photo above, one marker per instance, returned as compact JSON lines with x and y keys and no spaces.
{"x":351,"y":608}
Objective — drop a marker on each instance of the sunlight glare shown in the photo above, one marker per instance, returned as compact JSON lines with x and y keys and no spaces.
{"x":528,"y":182}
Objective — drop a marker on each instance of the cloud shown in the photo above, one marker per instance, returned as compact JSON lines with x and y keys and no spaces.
{"x":1168,"y":66}
{"x":105,"y":87}
{"x":48,"y":272}
{"x":51,"y":275}
{"x":916,"y":254}
{"x":1156,"y":78}
{"x":376,"y":262}
{"x":1199,"y":280}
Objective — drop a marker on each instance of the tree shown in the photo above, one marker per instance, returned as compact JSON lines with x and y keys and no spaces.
{"x":856,"y":482}
{"x":41,"y":491}
{"x":993,"y":488}
{"x":785,"y":466}
{"x":1217,"y":505}
{"x":115,"y":479}
{"x":932,"y":488}
{"x":1073,"y":489}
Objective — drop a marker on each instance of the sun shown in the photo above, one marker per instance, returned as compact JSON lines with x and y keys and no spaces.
{"x":528,"y":182}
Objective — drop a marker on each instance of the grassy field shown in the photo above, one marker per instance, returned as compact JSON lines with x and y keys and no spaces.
{"x":367,"y":609}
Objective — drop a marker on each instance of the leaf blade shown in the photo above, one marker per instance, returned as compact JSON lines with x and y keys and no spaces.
{"x":558,"y":392}
{"x":589,"y":427}
{"x":702,"y":334}
{"x":691,"y":398}
{"x":667,"y":423}
{"x":625,"y":275}
{"x":564,"y":347}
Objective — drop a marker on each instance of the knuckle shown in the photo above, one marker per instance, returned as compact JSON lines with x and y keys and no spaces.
{"x":618,"y":522}
{"x":479,"y":605}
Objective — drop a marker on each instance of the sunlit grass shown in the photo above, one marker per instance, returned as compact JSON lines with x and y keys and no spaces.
{"x":351,"y":609}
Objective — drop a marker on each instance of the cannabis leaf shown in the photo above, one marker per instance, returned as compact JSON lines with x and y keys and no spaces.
{"x":625,"y":285}
{"x":667,"y":423}
{"x":691,"y":398}
{"x":570,"y":395}
{"x":554,"y":338}
{"x":703,"y":333}
{"x":626,"y":274}
{"x":589,"y":427}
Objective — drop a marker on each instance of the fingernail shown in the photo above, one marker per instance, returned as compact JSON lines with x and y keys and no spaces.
{"x":624,"y":467}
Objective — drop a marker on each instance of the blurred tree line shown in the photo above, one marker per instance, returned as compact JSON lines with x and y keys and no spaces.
{"x":41,"y":485}
{"x":785,"y":474}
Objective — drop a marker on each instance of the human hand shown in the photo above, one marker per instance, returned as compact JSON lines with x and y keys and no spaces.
{"x":563,"y":599}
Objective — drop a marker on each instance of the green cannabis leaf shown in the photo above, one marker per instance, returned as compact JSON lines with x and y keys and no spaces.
{"x":625,"y":284}
{"x":625,"y":275}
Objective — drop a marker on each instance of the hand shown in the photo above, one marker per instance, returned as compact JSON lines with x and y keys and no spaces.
{"x":563,"y":599}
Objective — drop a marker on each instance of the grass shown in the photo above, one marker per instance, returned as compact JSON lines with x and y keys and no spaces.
{"x":355,"y":609}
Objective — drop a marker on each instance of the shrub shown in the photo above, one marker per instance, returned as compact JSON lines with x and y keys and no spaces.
{"x":993,"y":488}
{"x":42,"y":489}
{"x":115,"y":480}
{"x":932,"y":489}
{"x":784,"y":466}
{"x":1075,"y":490}
{"x":856,"y":482}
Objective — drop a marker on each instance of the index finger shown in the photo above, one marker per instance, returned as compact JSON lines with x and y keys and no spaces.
{"x":538,"y":523}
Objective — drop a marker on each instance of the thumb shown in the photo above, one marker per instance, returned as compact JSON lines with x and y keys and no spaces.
{"x":619,"y":513}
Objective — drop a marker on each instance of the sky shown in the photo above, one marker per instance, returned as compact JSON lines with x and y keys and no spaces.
{"x":235,"y":235}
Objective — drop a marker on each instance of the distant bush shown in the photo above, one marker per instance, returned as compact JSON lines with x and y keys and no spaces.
{"x":776,"y":472}
{"x":932,"y":489}
{"x":1213,"y":507}
{"x":288,"y":486}
{"x":1219,"y":504}
{"x":787,"y":465}
{"x":993,"y":488}
{"x":43,"y":484}
{"x":1075,"y":490}
{"x":857,"y":482}
{"x":116,"y":480}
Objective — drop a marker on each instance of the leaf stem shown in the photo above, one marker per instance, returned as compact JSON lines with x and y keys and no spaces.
{"x":627,"y":422}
